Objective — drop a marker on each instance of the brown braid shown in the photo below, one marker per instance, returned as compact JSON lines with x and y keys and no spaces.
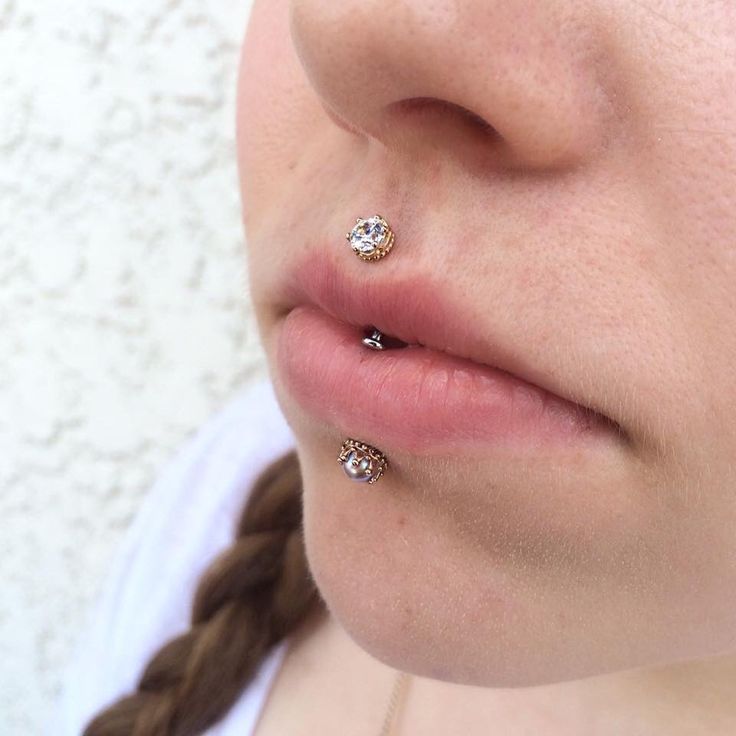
{"x":251,"y":597}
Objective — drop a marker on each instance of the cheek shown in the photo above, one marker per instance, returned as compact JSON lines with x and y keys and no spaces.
{"x":275,"y":111}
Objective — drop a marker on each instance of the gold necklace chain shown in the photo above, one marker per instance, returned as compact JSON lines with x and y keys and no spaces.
{"x":399,"y":688}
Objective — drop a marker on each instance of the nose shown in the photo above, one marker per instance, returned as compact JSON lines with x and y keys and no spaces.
{"x":515,"y":82}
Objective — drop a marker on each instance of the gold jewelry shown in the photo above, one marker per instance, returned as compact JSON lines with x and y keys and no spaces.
{"x":371,"y":238}
{"x":398,"y":691}
{"x":361,"y":462}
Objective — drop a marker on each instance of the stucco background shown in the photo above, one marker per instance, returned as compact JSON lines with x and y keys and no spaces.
{"x":124,"y":309}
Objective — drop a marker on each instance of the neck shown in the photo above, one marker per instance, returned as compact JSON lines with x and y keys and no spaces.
{"x":673,"y":700}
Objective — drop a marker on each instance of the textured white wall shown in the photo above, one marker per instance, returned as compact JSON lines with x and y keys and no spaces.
{"x":124,"y":313}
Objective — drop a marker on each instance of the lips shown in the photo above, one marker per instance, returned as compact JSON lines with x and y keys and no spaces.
{"x":414,"y":311}
{"x":453,"y":375}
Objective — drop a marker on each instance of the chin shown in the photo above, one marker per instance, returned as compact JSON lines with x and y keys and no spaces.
{"x":417,"y":596}
{"x":443,"y":571}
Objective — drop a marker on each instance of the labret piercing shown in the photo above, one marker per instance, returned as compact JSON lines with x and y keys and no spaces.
{"x":360,"y":461}
{"x":370,"y":239}
{"x":374,"y":340}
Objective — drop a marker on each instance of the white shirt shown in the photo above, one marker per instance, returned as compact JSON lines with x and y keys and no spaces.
{"x":187,"y":518}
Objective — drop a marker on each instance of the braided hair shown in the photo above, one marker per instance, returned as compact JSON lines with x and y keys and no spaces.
{"x":249,"y":598}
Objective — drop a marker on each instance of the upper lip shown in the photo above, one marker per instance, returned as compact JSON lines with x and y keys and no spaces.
{"x":415,"y":309}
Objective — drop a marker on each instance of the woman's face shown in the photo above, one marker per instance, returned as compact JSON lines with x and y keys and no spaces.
{"x":565,"y":174}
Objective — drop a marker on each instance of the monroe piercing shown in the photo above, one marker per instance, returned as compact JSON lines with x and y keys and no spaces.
{"x":361,"y":462}
{"x":371,"y":238}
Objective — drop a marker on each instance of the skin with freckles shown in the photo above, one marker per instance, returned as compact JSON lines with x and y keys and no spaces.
{"x":569,"y":170}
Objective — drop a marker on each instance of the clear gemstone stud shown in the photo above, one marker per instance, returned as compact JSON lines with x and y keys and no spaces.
{"x":371,"y":238}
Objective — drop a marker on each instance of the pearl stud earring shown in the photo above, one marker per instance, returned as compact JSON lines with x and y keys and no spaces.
{"x":361,"y":462}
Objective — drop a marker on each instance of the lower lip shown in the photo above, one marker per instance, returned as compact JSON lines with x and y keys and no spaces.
{"x":416,"y":399}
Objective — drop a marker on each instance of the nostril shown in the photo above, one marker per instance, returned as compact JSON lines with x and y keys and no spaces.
{"x":433,"y":105}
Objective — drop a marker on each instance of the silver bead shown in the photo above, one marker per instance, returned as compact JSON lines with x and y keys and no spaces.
{"x":374,"y":341}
